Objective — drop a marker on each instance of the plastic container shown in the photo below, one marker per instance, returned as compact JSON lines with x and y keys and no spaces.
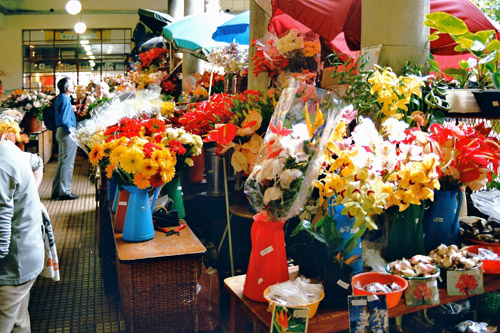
{"x":488,"y":307}
{"x":489,"y":266}
{"x":313,"y":307}
{"x":363,"y":279}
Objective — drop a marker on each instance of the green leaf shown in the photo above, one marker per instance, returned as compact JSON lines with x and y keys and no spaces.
{"x":445,"y":23}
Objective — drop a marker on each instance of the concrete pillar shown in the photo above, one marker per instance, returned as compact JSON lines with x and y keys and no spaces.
{"x":176,"y":8}
{"x":191,"y":64}
{"x":258,"y":28}
{"x":399,"y":27}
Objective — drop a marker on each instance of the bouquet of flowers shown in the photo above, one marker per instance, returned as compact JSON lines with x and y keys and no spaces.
{"x":11,"y":130}
{"x":467,"y":155}
{"x":369,"y":171}
{"x":185,"y":145}
{"x":289,"y":161}
{"x":231,"y":58}
{"x":154,"y":57}
{"x":292,"y":151}
{"x":293,"y":54}
{"x":133,"y":154}
{"x":33,"y":103}
{"x":139,"y":104}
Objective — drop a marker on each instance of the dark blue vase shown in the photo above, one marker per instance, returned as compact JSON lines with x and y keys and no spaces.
{"x":441,"y":224}
{"x":138,"y":225}
{"x":111,"y":190}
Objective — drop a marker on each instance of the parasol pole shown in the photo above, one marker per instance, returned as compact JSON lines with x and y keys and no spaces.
{"x":228,"y":217}
{"x":211,"y":79}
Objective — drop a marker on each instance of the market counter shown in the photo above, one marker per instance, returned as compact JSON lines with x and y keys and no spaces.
{"x":326,"y":320}
{"x":158,"y":281}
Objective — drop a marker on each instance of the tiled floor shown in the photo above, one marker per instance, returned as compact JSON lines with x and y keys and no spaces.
{"x":81,"y":301}
{"x":76,"y":303}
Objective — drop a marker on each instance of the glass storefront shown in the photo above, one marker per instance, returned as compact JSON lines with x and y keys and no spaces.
{"x":50,"y":55}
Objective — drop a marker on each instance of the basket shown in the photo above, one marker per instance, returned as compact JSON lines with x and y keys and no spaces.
{"x":160,"y":295}
{"x":489,"y":304}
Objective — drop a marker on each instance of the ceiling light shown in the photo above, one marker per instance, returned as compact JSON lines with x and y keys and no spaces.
{"x":73,"y":7}
{"x":84,"y":41}
{"x":80,"y":28}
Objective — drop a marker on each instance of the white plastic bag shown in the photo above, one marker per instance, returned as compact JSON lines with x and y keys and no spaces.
{"x":488,"y":203}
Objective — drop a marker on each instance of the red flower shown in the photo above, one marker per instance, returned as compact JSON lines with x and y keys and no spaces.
{"x":279,"y":129}
{"x":176,"y":147}
{"x":466,"y":283}
{"x":222,"y":135}
{"x":154,"y":126}
{"x":422,"y":292}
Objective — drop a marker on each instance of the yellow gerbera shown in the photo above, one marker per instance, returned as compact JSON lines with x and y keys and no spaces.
{"x":149,"y":167}
{"x":116,"y":154}
{"x":132,"y":160}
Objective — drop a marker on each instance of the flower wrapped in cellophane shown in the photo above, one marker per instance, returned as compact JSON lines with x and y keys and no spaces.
{"x":141,"y":103}
{"x":292,"y":150}
{"x":292,"y":54}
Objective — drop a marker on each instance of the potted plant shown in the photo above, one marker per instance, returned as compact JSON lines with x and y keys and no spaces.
{"x":483,"y":46}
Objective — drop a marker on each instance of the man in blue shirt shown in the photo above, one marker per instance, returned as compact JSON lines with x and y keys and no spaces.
{"x":65,"y":119}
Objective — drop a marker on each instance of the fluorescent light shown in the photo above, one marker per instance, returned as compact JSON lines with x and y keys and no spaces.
{"x":73,"y":7}
{"x":80,"y":28}
{"x":84,"y":41}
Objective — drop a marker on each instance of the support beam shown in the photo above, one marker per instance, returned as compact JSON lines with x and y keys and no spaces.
{"x":399,"y":27}
{"x":259,"y":21}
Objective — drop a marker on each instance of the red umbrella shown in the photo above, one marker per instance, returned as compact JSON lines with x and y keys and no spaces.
{"x":328,"y":18}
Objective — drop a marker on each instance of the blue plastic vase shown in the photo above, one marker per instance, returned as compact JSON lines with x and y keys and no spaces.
{"x":114,"y":207}
{"x":111,"y":190}
{"x":344,"y":226}
{"x":441,"y":224}
{"x":138,"y":226}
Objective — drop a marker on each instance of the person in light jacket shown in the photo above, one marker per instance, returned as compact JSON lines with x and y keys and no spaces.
{"x":21,"y":244}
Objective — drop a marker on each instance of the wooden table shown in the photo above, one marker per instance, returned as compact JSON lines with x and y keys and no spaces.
{"x":326,"y":320}
{"x":158,"y":281}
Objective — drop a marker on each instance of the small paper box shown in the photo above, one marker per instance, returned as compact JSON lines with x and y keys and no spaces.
{"x":422,"y":292}
{"x":289,"y":319}
{"x":368,"y":313}
{"x":464,"y":281}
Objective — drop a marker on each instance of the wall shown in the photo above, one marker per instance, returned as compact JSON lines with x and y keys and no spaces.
{"x":11,"y":26}
{"x":11,"y":57}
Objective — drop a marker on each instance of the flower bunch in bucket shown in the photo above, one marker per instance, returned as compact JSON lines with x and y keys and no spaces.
{"x":289,"y":161}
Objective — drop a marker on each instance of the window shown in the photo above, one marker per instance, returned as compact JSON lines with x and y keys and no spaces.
{"x":50,"y":55}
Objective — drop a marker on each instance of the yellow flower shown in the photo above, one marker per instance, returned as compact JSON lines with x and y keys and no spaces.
{"x":311,"y":48}
{"x":167,"y":109}
{"x":141,"y":180}
{"x":132,"y":160}
{"x":149,"y":167}
{"x":96,"y":154}
{"x":116,"y":154}
{"x":253,"y":116}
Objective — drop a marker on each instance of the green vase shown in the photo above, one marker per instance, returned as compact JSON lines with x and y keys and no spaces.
{"x":174,"y":190}
{"x":406,"y":234}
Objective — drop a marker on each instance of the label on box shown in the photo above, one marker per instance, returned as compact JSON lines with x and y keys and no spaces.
{"x":422,"y":292}
{"x":464,"y":282}
{"x":289,"y":319}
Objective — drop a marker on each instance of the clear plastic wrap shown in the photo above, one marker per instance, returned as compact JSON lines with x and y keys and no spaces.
{"x":127,"y":105}
{"x":293,"y":150}
{"x":297,"y":292}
